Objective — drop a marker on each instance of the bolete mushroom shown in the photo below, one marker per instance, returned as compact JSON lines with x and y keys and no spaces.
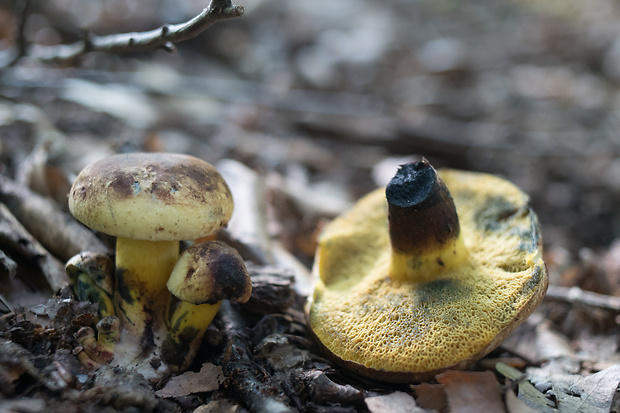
{"x":206,"y":274}
{"x":150,"y":202}
{"x":434,"y":279}
{"x":92,"y":277}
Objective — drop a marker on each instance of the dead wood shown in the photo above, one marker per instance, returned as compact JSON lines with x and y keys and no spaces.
{"x":272,"y":289}
{"x":14,"y":237}
{"x":577,"y":296}
{"x":251,"y":384}
{"x":56,"y":230}
{"x":163,"y":37}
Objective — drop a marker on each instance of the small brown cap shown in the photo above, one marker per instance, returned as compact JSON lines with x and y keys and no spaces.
{"x":151,"y":196}
{"x":209,"y":272}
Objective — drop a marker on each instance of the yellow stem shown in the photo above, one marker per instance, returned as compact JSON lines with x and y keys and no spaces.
{"x":187,"y":326}
{"x":429,"y":264}
{"x":141,"y":296}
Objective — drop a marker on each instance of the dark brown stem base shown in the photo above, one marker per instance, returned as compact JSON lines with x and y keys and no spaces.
{"x":421,"y":213}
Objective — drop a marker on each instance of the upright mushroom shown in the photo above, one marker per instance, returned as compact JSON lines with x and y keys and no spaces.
{"x":206,"y":274}
{"x":433,"y":279}
{"x":150,"y":202}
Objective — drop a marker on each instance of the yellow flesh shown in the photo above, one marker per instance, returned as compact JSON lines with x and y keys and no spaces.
{"x":188,"y":324}
{"x":142,"y":269}
{"x":430,"y":320}
{"x":89,"y":290}
{"x":424,"y":268}
{"x":195,"y":317}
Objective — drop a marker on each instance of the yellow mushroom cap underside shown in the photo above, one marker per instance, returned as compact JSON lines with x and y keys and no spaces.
{"x":398,"y":330}
{"x":151,"y":196}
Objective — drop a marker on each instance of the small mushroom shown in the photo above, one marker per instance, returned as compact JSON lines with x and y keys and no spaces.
{"x":206,"y":274}
{"x":96,"y":351}
{"x":150,"y":202}
{"x":433,"y":280}
{"x":92,"y":277}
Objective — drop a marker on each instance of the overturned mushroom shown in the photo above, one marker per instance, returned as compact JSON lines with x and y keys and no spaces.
{"x":150,"y":202}
{"x":205,"y":274}
{"x":434,"y":279}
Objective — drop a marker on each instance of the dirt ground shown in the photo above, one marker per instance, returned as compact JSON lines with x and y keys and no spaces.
{"x":305,"y":107}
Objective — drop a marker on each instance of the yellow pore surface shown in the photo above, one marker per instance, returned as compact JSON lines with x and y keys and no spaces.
{"x":362,"y":315}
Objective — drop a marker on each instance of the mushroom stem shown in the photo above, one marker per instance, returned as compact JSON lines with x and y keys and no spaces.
{"x":205,"y":274}
{"x":188,"y":324}
{"x":87,"y":290}
{"x":141,"y":297}
{"x":423,"y":224}
{"x":96,"y":351}
{"x":107,"y":332}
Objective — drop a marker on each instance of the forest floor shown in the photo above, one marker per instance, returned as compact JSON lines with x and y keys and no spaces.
{"x":305,"y":107}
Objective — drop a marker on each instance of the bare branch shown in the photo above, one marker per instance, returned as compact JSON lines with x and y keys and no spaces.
{"x":575,"y":295}
{"x":163,"y":37}
{"x":12,"y":55}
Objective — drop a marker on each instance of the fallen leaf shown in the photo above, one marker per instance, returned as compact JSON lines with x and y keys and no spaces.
{"x":431,"y":396}
{"x":397,"y":402}
{"x":527,"y":392}
{"x":206,"y":380}
{"x":470,"y":391}
{"x":578,"y":393}
{"x":217,"y":406}
{"x":516,"y":405}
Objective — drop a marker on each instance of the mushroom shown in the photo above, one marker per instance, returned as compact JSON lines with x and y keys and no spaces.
{"x":433,"y":280}
{"x":150,"y":202}
{"x":205,"y":274}
{"x":92,"y":277}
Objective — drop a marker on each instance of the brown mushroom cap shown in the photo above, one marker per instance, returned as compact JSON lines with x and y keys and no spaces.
{"x":395,"y":330}
{"x":151,"y":196}
{"x":209,"y":272}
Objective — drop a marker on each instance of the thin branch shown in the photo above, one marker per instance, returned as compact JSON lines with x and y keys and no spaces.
{"x":12,"y":55}
{"x":249,"y":382}
{"x":575,"y":295}
{"x":163,"y":37}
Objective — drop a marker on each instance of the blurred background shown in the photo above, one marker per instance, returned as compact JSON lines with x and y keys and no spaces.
{"x":323,"y":99}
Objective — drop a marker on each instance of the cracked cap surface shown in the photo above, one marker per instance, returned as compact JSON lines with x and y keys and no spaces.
{"x":151,"y":196}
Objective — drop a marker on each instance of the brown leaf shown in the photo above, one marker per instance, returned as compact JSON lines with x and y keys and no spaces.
{"x":206,"y":380}
{"x":431,"y":396}
{"x":469,"y":391}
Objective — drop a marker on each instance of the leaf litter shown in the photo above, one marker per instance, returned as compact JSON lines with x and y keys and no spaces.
{"x":301,"y":110}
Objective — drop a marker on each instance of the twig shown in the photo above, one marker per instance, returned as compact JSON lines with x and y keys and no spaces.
{"x":252,"y":385}
{"x":575,"y":295}
{"x":14,"y":236}
{"x":163,"y":37}
{"x":5,"y":302}
{"x":62,"y":235}
{"x":12,"y":55}
{"x":23,"y":8}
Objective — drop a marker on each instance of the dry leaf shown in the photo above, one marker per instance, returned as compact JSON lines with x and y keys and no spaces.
{"x":431,"y":396}
{"x":397,"y":402}
{"x":469,"y":391}
{"x":516,"y":405}
{"x":206,"y":380}
{"x":578,"y":393}
{"x":527,"y":392}
{"x":217,"y":406}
